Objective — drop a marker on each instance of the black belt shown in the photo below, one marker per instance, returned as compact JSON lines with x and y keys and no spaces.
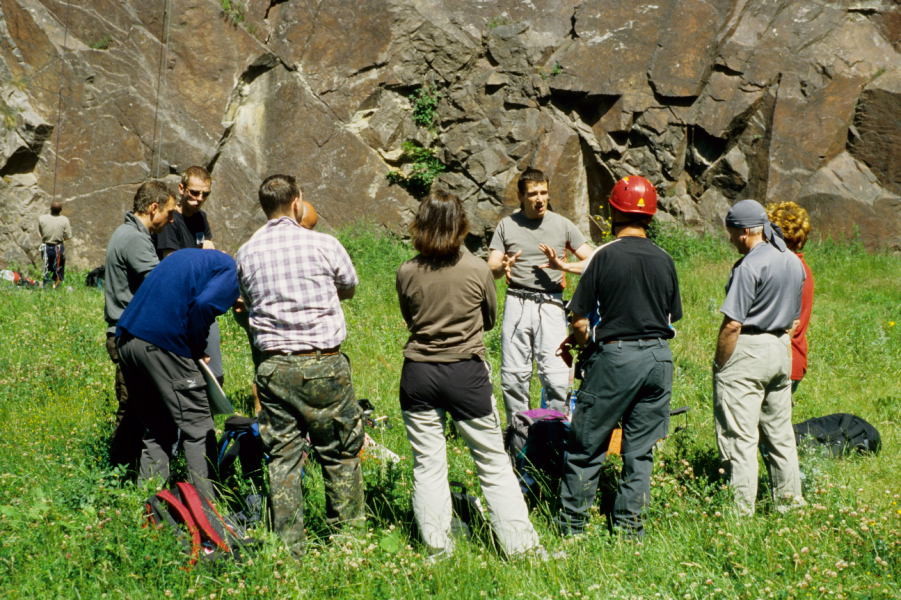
{"x":758,"y":331}
{"x":315,"y":352}
{"x":535,"y":295}
{"x":643,"y":342}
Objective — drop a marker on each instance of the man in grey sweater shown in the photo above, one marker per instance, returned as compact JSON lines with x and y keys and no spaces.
{"x":130,"y":256}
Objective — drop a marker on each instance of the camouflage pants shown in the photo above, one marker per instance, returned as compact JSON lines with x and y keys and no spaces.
{"x":311,"y":395}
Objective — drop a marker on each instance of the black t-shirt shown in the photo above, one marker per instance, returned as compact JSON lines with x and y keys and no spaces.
{"x":632,"y":285}
{"x":183,"y":232}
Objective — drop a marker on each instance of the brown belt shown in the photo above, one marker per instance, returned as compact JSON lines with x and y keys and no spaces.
{"x":317,"y":352}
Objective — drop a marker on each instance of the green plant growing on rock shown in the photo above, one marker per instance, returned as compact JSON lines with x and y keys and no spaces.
{"x":420,"y":168}
{"x":103,"y":43}
{"x":425,"y":106}
{"x":233,"y":11}
{"x":498,"y":21}
{"x":8,"y":116}
{"x":555,"y":70}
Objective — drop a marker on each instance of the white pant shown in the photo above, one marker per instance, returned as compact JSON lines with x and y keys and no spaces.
{"x":533,"y":329}
{"x":752,"y":405}
{"x":431,"y":492}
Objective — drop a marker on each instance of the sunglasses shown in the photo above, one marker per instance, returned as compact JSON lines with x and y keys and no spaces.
{"x":198,"y":193}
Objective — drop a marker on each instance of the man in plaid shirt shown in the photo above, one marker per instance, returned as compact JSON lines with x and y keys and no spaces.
{"x":293,"y":280}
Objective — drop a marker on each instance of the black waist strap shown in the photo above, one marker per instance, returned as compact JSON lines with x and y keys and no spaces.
{"x":758,"y":331}
{"x":535,"y":295}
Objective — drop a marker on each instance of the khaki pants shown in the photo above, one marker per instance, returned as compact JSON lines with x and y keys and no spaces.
{"x":752,"y":407}
{"x":431,"y":492}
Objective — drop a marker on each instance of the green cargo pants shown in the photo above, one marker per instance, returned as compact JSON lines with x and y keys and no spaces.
{"x":311,"y":395}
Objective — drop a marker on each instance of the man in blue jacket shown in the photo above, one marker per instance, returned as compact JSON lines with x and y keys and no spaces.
{"x":161,"y":336}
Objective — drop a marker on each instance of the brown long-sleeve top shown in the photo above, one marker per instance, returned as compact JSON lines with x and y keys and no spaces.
{"x":447,"y":307}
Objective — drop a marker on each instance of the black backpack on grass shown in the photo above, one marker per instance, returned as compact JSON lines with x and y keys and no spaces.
{"x":841,"y":433}
{"x":536,"y":442}
{"x":95,"y":277}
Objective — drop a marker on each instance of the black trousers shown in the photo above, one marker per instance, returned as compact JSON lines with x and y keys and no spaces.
{"x":628,"y":382}
{"x":170,"y":394}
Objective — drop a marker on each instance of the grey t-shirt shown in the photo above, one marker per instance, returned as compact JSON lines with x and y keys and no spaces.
{"x":130,"y":255}
{"x":764,"y":289}
{"x":516,"y":232}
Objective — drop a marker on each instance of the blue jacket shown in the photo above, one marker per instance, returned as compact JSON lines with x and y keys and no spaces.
{"x":175,"y":306}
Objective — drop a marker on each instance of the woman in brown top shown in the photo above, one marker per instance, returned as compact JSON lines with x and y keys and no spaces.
{"x":447,"y":297}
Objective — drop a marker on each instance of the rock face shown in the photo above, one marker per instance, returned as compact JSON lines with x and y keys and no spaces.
{"x":713,"y":100}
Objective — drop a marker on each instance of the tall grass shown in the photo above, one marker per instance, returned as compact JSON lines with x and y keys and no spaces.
{"x":70,"y":527}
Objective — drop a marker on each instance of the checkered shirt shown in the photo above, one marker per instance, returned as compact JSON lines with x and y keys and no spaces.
{"x":289,"y":278}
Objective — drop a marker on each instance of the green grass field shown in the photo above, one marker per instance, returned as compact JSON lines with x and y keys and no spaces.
{"x":71,"y":528}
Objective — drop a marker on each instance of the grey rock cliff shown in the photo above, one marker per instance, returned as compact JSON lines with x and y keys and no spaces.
{"x":713,"y":100}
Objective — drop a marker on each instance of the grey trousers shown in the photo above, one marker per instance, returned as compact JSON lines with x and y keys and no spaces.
{"x":533,"y":330}
{"x":126,"y":443}
{"x":752,"y":407}
{"x":170,"y":394}
{"x":628,"y":382}
{"x":431,"y":492}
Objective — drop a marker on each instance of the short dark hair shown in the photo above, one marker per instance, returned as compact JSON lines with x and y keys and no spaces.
{"x":528,"y":175}
{"x":619,"y":218}
{"x":150,"y":192}
{"x":277,"y":191}
{"x":56,"y":207}
{"x":439,"y":226}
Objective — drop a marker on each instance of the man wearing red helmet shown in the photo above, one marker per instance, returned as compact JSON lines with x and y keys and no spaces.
{"x":534,"y":320}
{"x":628,"y":367}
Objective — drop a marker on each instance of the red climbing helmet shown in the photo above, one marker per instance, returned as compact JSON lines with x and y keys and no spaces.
{"x":635,"y":195}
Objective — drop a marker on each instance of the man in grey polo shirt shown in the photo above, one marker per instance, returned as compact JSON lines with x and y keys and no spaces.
{"x":534,"y":319}
{"x":752,"y":365}
{"x":130,"y":256}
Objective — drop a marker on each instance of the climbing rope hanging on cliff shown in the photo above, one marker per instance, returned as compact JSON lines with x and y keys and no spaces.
{"x":59,"y":105}
{"x":157,"y":141}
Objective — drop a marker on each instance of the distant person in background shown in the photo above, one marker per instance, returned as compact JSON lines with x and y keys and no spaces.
{"x":54,"y":229}
{"x":190,"y":228}
{"x":752,"y":366}
{"x":130,"y":256}
{"x":794,"y":222}
{"x":447,"y":298}
{"x":161,"y":336}
{"x":310,"y":217}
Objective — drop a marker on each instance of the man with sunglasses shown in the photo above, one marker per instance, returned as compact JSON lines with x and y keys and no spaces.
{"x":191,"y":229}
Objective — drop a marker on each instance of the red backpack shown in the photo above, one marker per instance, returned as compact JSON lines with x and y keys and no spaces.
{"x":196,"y":521}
